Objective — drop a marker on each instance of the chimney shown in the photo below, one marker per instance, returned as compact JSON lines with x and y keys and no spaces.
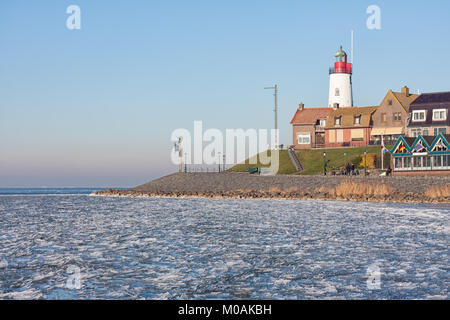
{"x":301,"y":106}
{"x":405,"y":91}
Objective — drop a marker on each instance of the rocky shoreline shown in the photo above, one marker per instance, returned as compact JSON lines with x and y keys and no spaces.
{"x":292,"y":187}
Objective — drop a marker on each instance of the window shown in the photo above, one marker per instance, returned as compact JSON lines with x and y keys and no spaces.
{"x":416,"y":132}
{"x":426,"y":162}
{"x":383,"y":117}
{"x":440,"y":130}
{"x":304,"y":138}
{"x":337,"y":121}
{"x":357,"y":134}
{"x":407,"y":162}
{"x":422,"y":162}
{"x":336,"y":92}
{"x":357,"y":119}
{"x":339,"y":136}
{"x":397,"y":116}
{"x":398,"y":163}
{"x":439,"y":114}
{"x":437,"y":161}
{"x":322,"y":122}
{"x":418,"y":115}
{"x":417,"y":162}
{"x":425,"y":132}
{"x":390,"y":102}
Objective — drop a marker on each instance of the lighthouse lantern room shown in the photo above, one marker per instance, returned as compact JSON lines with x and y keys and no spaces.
{"x":340,"y":82}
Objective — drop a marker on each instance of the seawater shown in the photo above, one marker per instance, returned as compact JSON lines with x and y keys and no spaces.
{"x":69,"y":245}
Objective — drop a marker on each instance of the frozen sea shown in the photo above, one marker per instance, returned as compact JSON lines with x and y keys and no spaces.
{"x":69,"y":245}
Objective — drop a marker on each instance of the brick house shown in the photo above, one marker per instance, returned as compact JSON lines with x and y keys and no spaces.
{"x":391,"y":118}
{"x":429,"y":115}
{"x":349,"y":127}
{"x":308,"y":127}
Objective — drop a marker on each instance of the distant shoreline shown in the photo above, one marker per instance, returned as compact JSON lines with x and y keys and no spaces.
{"x":417,"y":189}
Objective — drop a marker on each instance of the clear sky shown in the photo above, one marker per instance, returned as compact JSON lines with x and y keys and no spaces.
{"x":96,"y":106}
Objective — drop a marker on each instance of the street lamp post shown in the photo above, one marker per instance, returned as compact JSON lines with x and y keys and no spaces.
{"x":219,"y":153}
{"x":365,"y":163}
{"x":224,"y":162}
{"x":324,"y":163}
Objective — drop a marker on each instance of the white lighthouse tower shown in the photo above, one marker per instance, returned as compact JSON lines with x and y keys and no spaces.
{"x":340,"y":82}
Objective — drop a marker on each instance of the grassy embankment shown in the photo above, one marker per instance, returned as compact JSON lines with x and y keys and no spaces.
{"x":312,"y":160}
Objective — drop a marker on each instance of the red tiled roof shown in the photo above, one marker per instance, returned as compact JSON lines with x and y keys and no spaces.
{"x":310,"y":115}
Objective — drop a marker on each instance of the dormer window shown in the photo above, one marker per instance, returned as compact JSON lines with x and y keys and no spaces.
{"x":418,"y":115}
{"x":357,"y":120}
{"x":439,"y":114}
{"x":337,"y":121}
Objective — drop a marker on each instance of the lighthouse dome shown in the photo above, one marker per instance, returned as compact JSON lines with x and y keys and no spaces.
{"x":340,"y":53}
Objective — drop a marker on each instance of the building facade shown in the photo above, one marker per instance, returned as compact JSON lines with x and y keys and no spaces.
{"x":308,"y":127}
{"x":391,"y":118}
{"x":429,"y":115}
{"x":349,"y":127}
{"x":421,"y":155}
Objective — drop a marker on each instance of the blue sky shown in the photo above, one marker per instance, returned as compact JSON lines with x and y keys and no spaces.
{"x":96,"y":106}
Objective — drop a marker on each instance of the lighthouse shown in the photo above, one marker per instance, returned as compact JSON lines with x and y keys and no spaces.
{"x":340,"y":82}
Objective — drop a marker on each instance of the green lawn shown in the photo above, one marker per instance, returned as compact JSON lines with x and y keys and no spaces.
{"x":312,"y":160}
{"x":286,"y":166}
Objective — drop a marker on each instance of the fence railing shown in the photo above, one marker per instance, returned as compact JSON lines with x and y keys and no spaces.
{"x":386,"y":142}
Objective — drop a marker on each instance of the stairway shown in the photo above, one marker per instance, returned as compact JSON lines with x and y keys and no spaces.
{"x":295,"y":160}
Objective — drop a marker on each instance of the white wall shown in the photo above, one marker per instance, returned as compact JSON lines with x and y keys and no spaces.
{"x":343,"y":82}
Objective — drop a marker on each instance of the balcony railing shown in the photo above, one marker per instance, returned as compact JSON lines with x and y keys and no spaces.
{"x":320,"y":128}
{"x":341,"y":70}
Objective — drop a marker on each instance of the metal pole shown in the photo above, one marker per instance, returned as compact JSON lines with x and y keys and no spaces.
{"x":276,"y":116}
{"x":219,"y":159}
{"x":382,"y":152}
{"x":365,"y":163}
{"x":180,"y":155}
{"x":352,"y":45}
{"x":223,"y":162}
{"x":275,"y":110}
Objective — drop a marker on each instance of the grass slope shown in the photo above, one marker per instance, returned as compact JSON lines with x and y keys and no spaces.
{"x":286,"y":166}
{"x":312,"y":160}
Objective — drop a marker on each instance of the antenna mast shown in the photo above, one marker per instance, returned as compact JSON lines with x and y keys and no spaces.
{"x":351,"y":58}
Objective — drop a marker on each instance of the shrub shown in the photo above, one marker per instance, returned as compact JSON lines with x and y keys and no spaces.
{"x":372,"y":160}
{"x":352,"y":188}
{"x":438,"y":191}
